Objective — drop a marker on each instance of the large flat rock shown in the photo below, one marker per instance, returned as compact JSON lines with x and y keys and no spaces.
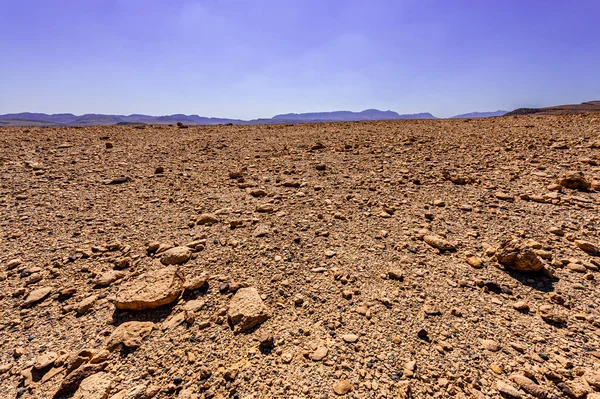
{"x":151,"y":290}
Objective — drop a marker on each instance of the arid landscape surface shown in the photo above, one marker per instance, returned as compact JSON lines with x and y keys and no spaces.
{"x":403,"y":259}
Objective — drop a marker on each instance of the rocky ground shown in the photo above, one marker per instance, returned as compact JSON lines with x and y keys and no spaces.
{"x":445,"y":258}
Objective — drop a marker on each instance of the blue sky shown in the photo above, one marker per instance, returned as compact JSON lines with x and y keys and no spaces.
{"x":249,"y":59}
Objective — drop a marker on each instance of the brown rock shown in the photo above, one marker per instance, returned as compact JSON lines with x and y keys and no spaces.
{"x":45,"y":360}
{"x":490,"y":345}
{"x":519,"y":257}
{"x":151,"y":290}
{"x":109,"y":277}
{"x":574,"y":180}
{"x":246,"y":310}
{"x":521,"y":306}
{"x":551,"y":315}
{"x":439,"y":243}
{"x":395,"y":274}
{"x":593,"y":378}
{"x":130,"y":334}
{"x":176,"y":255}
{"x":207,"y":219}
{"x":11,"y":264}
{"x":86,"y":304}
{"x":508,"y":390}
{"x":403,"y":390}
{"x":587,"y":246}
{"x":475,"y":262}
{"x":71,"y":382}
{"x":342,"y":387}
{"x":319,"y":354}
{"x":96,"y":386}
{"x":529,"y":386}
{"x":350,"y":338}
{"x":36,"y":296}
{"x":195,"y":282}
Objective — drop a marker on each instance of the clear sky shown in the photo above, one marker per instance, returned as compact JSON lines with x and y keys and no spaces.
{"x":257,"y":58}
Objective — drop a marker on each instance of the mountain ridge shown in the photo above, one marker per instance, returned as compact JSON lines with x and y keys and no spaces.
{"x":92,"y":119}
{"x":41,"y":119}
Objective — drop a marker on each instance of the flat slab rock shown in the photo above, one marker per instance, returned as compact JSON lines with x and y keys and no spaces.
{"x":151,"y":290}
{"x":96,"y":386}
{"x":246,"y":310}
{"x":36,"y":296}
{"x":176,"y":255}
{"x":129,"y":334}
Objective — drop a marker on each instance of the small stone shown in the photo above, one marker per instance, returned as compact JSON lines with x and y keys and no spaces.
{"x":319,"y":354}
{"x":86,"y":304}
{"x":11,"y":264}
{"x":176,"y":255}
{"x":207,"y":219}
{"x":261,"y":231}
{"x":350,"y":338}
{"x":529,"y":386}
{"x":109,"y":277}
{"x":593,"y":378}
{"x":266,"y":340}
{"x":475,"y":262}
{"x":508,"y":390}
{"x":119,"y":180}
{"x":521,"y":306}
{"x":551,"y":315}
{"x":403,"y":390}
{"x":395,"y":274}
{"x":576,"y":267}
{"x":67,"y":293}
{"x":490,"y":345}
{"x":195,"y":283}
{"x":587,"y":246}
{"x":342,"y":387}
{"x":556,"y":231}
{"x":496,"y":368}
{"x":439,"y":243}
{"x":504,"y":196}
{"x":298,"y":300}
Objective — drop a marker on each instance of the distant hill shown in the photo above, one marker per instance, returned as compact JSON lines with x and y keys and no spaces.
{"x":480,"y":114}
{"x":38,"y":119}
{"x":33,"y":119}
{"x":589,"y":106}
{"x":347,"y":116}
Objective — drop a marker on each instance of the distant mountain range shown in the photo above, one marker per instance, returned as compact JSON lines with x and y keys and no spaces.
{"x":37,"y":119}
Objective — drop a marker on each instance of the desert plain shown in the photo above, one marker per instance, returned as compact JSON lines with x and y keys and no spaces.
{"x":402,"y":259}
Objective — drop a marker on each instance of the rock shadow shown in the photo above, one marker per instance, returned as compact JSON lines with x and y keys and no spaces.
{"x":156,"y":315}
{"x":538,"y":282}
